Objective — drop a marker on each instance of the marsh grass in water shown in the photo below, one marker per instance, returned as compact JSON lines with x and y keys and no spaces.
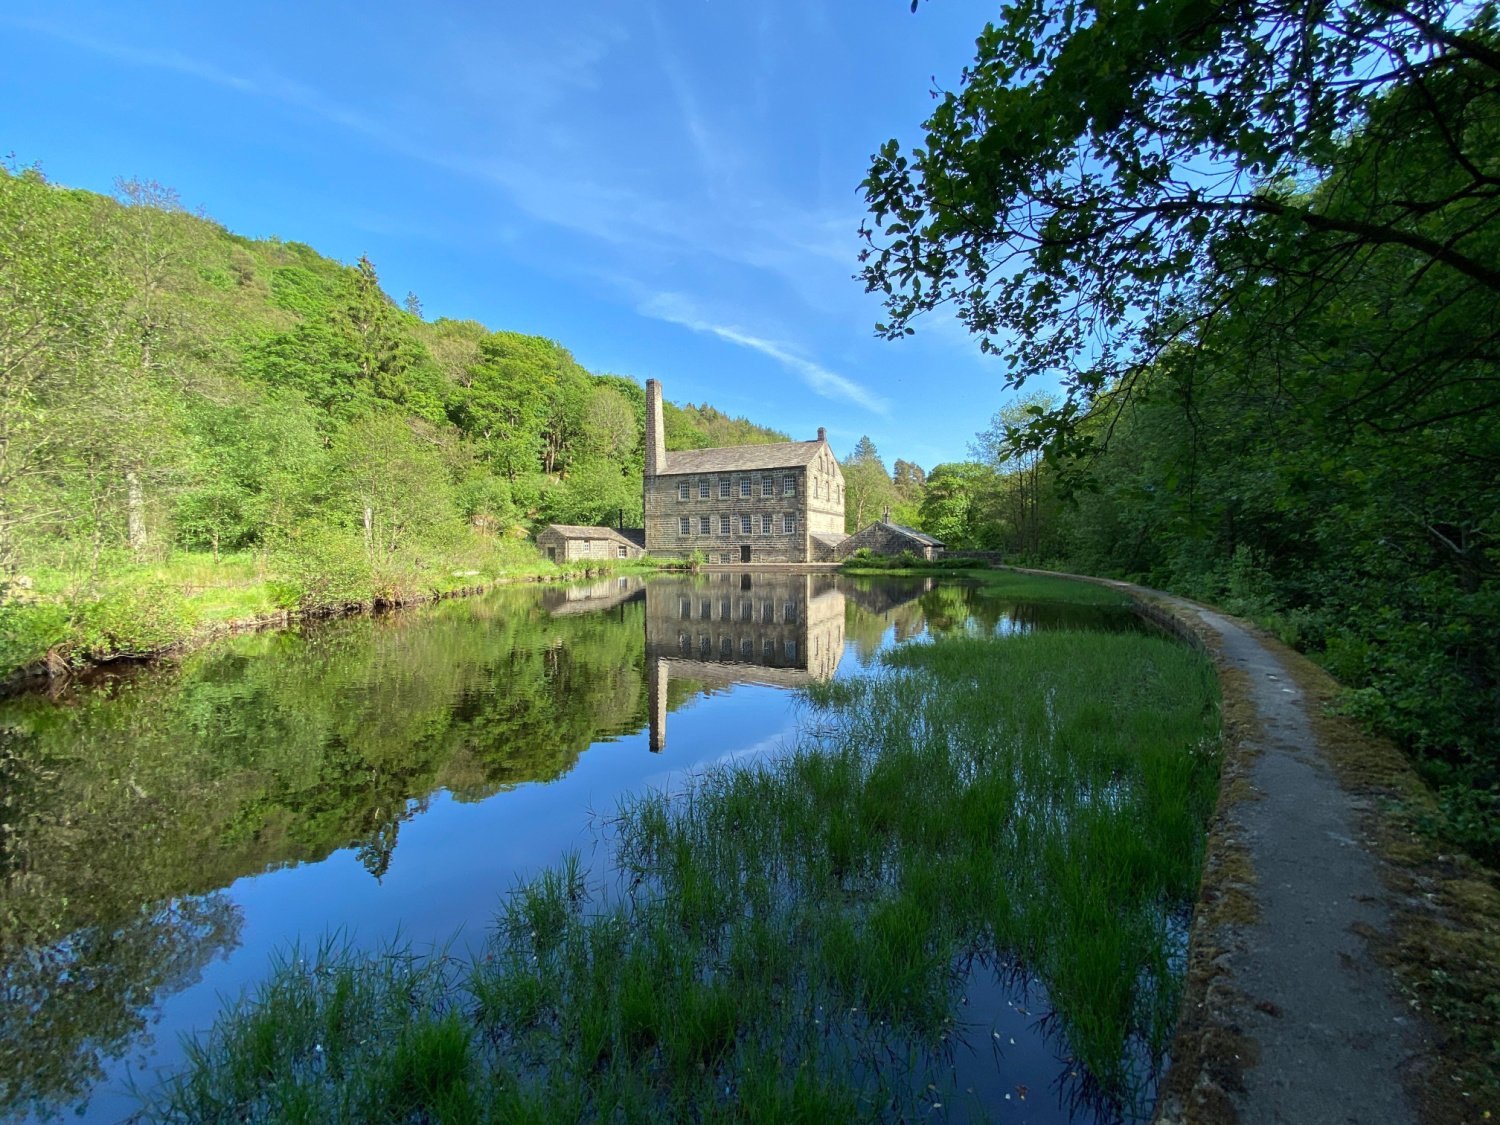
{"x":791,"y":941}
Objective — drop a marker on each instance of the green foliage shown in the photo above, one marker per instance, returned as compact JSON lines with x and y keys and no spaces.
{"x":28,"y":630}
{"x":322,"y":568}
{"x":1280,"y":367}
{"x":128,"y":622}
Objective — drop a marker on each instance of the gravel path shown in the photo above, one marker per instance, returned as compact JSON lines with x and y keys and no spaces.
{"x":1331,"y":1040}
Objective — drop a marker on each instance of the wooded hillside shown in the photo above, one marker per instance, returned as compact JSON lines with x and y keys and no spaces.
{"x":170,"y":386}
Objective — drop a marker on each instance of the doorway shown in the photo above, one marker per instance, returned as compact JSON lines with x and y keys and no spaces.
{"x":745,"y":553}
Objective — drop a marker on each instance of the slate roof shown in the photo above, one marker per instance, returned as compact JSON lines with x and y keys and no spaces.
{"x":912,"y":533}
{"x":828,"y":538}
{"x":630,"y":536}
{"x":740,"y":458}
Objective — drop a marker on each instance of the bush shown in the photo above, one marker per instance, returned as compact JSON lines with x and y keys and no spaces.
{"x":137,"y":621}
{"x":27,"y":631}
{"x":323,"y":568}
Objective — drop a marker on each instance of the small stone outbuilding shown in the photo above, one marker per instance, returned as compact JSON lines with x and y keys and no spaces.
{"x":884,"y":538}
{"x":566,"y":542}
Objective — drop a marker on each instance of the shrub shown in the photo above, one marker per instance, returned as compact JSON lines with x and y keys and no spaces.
{"x":28,"y":630}
{"x":127,"y":622}
{"x":323,"y":568}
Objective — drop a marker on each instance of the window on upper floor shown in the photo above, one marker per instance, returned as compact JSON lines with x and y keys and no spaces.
{"x":744,"y":525}
{"x":703,"y":488}
{"x":723,"y":525}
{"x":724,"y":489}
{"x":705,"y":525}
{"x":789,"y":486}
{"x":745,"y":486}
{"x":685,"y":526}
{"x":768,"y":486}
{"x":765,"y":525}
{"x":788,"y":525}
{"x":682,"y":490}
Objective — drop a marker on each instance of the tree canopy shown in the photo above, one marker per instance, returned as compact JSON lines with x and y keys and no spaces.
{"x":1109,"y":178}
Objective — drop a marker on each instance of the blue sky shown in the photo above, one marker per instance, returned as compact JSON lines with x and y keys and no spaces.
{"x":667,"y":188}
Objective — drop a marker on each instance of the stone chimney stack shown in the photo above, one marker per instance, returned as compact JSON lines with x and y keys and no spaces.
{"x":822,"y":433}
{"x":656,"y":431}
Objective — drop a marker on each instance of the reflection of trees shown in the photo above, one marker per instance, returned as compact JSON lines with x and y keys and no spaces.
{"x":69,"y":1003}
{"x":261,"y":751}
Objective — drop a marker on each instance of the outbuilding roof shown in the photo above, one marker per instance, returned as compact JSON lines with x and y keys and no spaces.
{"x":630,"y":536}
{"x":740,"y":458}
{"x":912,"y":533}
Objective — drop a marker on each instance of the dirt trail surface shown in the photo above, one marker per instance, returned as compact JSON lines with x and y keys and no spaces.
{"x":1289,"y":1017}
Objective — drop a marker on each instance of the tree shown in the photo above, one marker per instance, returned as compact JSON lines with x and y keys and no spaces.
{"x":60,"y":303}
{"x":394,"y":485}
{"x":958,"y":506}
{"x":1107,"y":175}
{"x":868,"y":491}
{"x":1018,"y":468}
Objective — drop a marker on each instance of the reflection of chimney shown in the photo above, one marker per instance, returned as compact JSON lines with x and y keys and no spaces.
{"x":656,"y":431}
{"x":657,"y":677}
{"x":822,"y":433}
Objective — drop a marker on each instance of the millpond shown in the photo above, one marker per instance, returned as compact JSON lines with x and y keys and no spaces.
{"x":169,"y":832}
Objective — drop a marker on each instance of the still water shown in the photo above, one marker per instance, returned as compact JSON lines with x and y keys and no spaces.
{"x":164,"y":832}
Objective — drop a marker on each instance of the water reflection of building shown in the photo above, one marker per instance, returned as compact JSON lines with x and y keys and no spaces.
{"x":733,"y":628}
{"x":592,"y":597}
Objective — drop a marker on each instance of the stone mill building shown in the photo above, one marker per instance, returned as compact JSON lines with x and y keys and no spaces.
{"x":781,"y":503}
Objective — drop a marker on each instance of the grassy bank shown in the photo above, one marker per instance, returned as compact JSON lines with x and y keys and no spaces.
{"x":70,"y":619}
{"x":792,"y":941}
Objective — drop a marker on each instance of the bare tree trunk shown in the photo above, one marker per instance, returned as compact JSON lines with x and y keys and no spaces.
{"x":369,"y":531}
{"x":135,"y":513}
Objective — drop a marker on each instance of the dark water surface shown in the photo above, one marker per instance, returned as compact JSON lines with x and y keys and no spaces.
{"x":164,"y":832}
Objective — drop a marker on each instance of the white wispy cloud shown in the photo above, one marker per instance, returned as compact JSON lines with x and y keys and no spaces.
{"x":674,"y":309}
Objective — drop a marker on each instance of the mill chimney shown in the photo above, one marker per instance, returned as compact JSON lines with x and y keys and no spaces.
{"x":656,"y":431}
{"x":822,"y":433}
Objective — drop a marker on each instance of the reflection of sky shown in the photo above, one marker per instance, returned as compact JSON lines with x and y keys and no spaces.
{"x":455,"y":861}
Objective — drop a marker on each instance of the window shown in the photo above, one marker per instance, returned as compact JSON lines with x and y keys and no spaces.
{"x":726,"y":645}
{"x":744,"y":525}
{"x":685,"y":609}
{"x":765,"y":525}
{"x":724,"y":489}
{"x":789,"y":486}
{"x":705,"y":525}
{"x":703,"y":487}
{"x":745,"y":486}
{"x":682,"y":490}
{"x":817,"y":487}
{"x":724,"y":557}
{"x":620,"y":551}
{"x":768,"y":486}
{"x":724,"y":526}
{"x":768,"y":612}
{"x":685,"y":526}
{"x":706,"y":609}
{"x":788,"y":525}
{"x":724,"y":612}
{"x":747,"y":646}
{"x":789,"y":647}
{"x":705,"y":644}
{"x":684,"y":643}
{"x":768,"y":649}
{"x":789,"y":613}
